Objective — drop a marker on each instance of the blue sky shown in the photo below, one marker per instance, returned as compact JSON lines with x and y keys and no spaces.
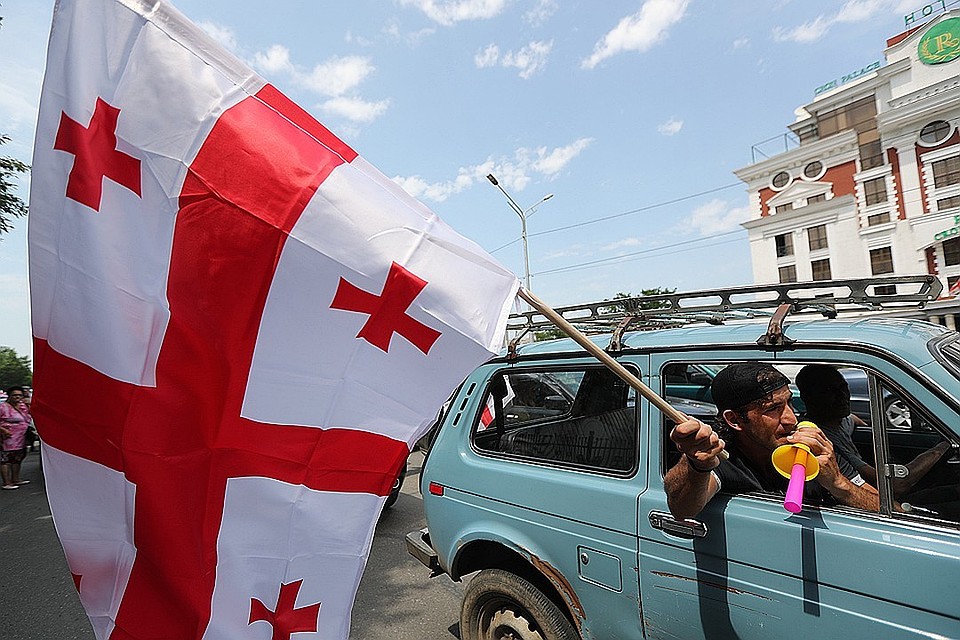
{"x":632,"y":113}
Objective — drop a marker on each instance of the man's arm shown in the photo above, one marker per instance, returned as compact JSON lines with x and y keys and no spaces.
{"x":691,"y":483}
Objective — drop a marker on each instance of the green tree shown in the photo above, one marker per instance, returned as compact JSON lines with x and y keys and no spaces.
{"x":652,"y":304}
{"x":11,"y":205}
{"x":14,"y":369}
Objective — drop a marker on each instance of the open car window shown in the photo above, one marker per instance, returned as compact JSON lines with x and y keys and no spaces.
{"x":582,"y":418}
{"x":919,"y":462}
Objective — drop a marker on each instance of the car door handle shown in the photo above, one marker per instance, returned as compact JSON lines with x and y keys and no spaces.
{"x":682,"y":528}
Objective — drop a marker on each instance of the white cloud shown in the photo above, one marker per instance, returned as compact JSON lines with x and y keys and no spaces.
{"x":336,"y":76}
{"x":671,"y":127}
{"x":336,"y":79}
{"x":550,"y":163}
{"x":740,"y":43}
{"x":541,"y":12}
{"x":530,"y":59}
{"x":851,"y":11}
{"x":355,"y":109}
{"x":488,"y":57}
{"x":640,"y":31}
{"x":223,"y":35}
{"x":807,"y":32}
{"x":717,"y":216}
{"x":513,"y":173}
{"x":276,"y":59}
{"x":449,"y":12}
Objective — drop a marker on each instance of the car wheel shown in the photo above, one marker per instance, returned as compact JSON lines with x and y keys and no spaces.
{"x":498,"y":605}
{"x":897,"y":413}
{"x":395,"y":490}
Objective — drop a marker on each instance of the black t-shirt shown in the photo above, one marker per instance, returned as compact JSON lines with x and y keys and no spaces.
{"x":737,"y":475}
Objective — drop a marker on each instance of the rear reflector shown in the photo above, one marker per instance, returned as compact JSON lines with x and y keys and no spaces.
{"x":435,"y":489}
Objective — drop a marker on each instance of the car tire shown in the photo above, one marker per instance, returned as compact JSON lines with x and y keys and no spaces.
{"x":896,"y":413}
{"x":498,"y":604}
{"x":395,"y":490}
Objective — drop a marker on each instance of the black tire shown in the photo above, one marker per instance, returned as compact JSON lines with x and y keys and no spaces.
{"x":395,"y":491}
{"x":498,"y":605}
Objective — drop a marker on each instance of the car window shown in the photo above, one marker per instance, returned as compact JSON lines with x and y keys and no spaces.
{"x":923,"y":465}
{"x":583,"y":418}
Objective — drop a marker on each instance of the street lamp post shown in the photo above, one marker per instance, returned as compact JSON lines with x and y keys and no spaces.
{"x":524,"y":214}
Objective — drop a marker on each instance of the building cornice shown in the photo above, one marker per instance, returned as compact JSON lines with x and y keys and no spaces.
{"x":918,"y":105}
{"x":831,"y":151}
{"x":811,"y":215}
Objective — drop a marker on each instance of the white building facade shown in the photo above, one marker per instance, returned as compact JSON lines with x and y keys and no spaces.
{"x":873,"y":186}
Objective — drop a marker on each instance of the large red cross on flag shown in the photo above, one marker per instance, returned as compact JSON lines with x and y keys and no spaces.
{"x":240,"y":326}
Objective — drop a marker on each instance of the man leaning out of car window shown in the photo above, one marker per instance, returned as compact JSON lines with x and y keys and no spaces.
{"x":754,"y":418}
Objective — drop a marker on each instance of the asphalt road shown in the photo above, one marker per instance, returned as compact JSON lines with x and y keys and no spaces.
{"x":397,"y":599}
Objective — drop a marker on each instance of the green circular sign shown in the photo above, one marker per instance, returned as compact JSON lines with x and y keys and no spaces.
{"x":941,"y":42}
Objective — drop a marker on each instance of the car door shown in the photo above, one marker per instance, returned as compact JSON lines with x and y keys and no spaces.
{"x":746,"y":568}
{"x":553,"y":475}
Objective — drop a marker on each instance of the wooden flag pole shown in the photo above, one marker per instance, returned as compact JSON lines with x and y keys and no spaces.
{"x":604,"y":357}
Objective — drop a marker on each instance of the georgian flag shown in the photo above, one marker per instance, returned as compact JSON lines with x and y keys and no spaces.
{"x":240,"y":327}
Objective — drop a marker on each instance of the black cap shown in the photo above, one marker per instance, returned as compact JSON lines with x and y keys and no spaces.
{"x":741,"y":384}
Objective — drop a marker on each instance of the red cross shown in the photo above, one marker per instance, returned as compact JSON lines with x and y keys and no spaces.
{"x":96,"y":156}
{"x":286,"y":620}
{"x":181,"y":440}
{"x":388,"y":311}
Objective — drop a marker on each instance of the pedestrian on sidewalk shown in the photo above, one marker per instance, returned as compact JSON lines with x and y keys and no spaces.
{"x":14,"y":422}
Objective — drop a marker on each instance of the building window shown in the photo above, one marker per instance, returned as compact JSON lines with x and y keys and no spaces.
{"x":821,"y":269}
{"x":934,"y":133}
{"x":813,"y":170}
{"x":881,"y":263}
{"x":878,"y":218}
{"x":948,"y":203}
{"x":781,"y":180}
{"x":875,"y":191}
{"x":784,"y":243}
{"x":780,"y":208}
{"x":820,"y":197}
{"x":817,"y":237}
{"x":871,"y":151}
{"x":946,"y":172}
{"x":951,"y":252}
{"x":788,"y":273}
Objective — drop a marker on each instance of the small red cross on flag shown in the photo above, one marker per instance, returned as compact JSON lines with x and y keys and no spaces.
{"x":247,"y":430}
{"x":388,"y":311}
{"x":96,"y":156}
{"x":286,"y":619}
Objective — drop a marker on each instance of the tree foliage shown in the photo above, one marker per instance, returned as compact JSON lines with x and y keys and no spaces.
{"x":11,"y":205}
{"x":15,"y":370}
{"x":643,"y":305}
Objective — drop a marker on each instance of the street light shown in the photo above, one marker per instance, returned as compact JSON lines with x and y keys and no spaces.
{"x":524,"y":214}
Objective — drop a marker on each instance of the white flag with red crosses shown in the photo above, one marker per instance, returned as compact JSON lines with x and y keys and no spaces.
{"x":240,"y":327}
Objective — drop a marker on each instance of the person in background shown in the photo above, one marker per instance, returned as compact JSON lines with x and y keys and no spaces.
{"x":826,"y":395}
{"x":14,"y":422}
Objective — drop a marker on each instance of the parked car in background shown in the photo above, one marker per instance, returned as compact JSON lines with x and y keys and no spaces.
{"x":558,"y":511}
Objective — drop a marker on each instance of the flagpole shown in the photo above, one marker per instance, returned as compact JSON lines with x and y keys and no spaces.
{"x":622,"y":372}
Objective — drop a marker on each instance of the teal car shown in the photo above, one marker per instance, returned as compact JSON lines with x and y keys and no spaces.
{"x":558,"y":517}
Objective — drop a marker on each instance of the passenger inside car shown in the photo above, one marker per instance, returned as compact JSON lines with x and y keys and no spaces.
{"x":826,"y":396}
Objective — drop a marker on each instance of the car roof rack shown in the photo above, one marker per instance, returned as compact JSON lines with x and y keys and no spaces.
{"x":717,"y":306}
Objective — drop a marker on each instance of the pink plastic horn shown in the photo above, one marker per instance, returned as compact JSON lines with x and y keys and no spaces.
{"x":794,"y":461}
